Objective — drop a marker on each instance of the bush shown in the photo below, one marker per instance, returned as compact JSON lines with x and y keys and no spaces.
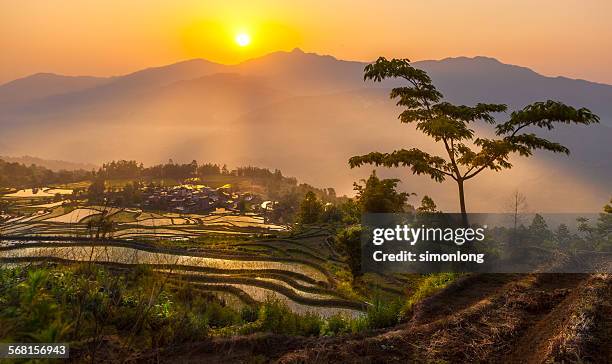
{"x":249,"y":314}
{"x":359,"y":324}
{"x":218,"y":316}
{"x":383,"y":313}
{"x":349,"y":241}
{"x":275,"y":316}
{"x":336,"y":324}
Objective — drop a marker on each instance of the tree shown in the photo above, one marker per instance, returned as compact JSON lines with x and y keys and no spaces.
{"x":351,"y":212}
{"x":604,"y":228}
{"x":349,"y":241}
{"x":331,"y":214}
{"x":310,"y":209}
{"x":608,"y":207}
{"x":242,"y":206}
{"x":538,"y":230}
{"x":427,"y":205}
{"x":598,"y":237}
{"x":284,"y":210}
{"x":96,"y":189}
{"x":450,"y":125}
{"x":517,"y":205}
{"x":563,"y":236}
{"x":380,"y":195}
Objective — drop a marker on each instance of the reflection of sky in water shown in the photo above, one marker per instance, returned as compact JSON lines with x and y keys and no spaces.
{"x":39,"y":192}
{"x":125,"y":255}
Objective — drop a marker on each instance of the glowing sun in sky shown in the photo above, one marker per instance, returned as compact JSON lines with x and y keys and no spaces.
{"x":243,"y":39}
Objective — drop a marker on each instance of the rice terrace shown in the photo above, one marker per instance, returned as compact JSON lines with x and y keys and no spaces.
{"x":228,"y":262}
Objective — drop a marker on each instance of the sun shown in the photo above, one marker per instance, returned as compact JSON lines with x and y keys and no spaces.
{"x":243,"y":39}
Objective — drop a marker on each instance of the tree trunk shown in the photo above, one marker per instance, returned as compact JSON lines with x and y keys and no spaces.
{"x":464,"y":218}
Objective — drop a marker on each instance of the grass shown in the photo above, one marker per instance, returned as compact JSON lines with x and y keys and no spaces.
{"x":586,"y":330}
{"x":84,"y":302}
{"x":429,"y":285}
{"x":141,"y":310}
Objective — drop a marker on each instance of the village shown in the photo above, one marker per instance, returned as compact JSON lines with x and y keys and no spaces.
{"x":198,"y":199}
{"x":186,"y":197}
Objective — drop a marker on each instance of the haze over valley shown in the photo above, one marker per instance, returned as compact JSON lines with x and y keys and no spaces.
{"x":305,"y":114}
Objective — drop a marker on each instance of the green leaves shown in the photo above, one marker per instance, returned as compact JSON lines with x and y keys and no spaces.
{"x":442,"y":127}
{"x":524,"y":144}
{"x":541,"y":115}
{"x":467,"y":113}
{"x":380,"y":195}
{"x":418,"y":161}
{"x":545,"y":115}
{"x":421,"y":91}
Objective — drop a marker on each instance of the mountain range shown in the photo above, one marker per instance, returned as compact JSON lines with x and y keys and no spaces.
{"x":305,"y":114}
{"x":51,"y":164}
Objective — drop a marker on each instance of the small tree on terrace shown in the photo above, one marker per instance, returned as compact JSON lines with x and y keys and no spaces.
{"x":466,"y":154}
{"x":310,"y":209}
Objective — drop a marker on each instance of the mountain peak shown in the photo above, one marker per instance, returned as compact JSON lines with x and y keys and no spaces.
{"x":475,"y":59}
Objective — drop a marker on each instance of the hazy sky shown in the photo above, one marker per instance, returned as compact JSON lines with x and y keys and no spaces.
{"x":562,"y":37}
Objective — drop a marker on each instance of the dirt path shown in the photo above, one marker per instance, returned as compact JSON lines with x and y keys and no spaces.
{"x":484,"y":318}
{"x":533,"y":345}
{"x":460,"y":295}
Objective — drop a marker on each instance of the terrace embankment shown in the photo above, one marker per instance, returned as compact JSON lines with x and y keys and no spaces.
{"x":304,"y":285}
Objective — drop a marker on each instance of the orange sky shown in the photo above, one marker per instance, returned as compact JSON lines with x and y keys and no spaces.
{"x":570,"y":38}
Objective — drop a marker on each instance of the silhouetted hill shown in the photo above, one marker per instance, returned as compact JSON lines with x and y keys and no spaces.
{"x":43,"y":85}
{"x":305,"y":73}
{"x":53,"y":165}
{"x":468,"y":80}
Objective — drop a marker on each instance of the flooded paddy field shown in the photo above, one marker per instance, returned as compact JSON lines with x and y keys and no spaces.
{"x":304,"y":287}
{"x":219,"y":252}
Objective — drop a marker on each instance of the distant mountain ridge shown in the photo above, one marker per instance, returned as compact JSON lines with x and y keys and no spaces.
{"x":53,"y":165}
{"x":301,"y":112}
{"x":326,"y":73}
{"x":43,"y":85}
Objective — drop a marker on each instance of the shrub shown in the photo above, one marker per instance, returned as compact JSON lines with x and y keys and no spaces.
{"x":383,"y":313}
{"x":309,"y":324}
{"x":218,"y":316}
{"x":249,"y":314}
{"x":359,"y":324}
{"x":349,"y":241}
{"x":336,"y":324}
{"x":275,"y":316}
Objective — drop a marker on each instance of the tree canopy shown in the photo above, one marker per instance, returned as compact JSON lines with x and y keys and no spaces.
{"x":467,"y":154}
{"x":380,"y":195}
